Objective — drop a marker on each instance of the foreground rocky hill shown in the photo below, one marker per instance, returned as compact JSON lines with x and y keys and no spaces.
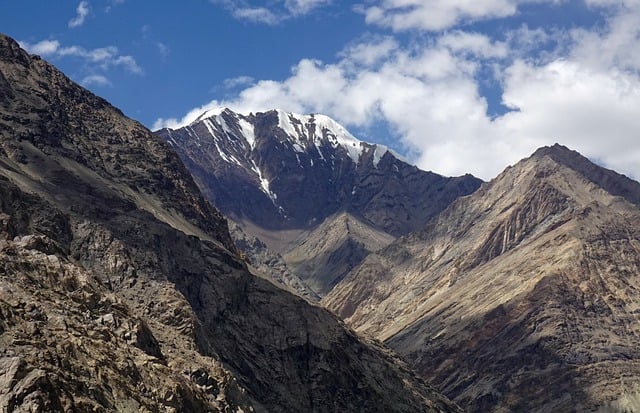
{"x":120,"y":287}
{"x":524,"y":294}
{"x":282,"y":176}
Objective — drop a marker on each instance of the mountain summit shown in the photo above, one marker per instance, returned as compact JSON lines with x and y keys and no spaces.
{"x":524,"y":293}
{"x":291,"y":171}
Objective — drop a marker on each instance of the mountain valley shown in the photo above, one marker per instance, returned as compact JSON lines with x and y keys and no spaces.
{"x":121,"y":288}
{"x":273,"y":262}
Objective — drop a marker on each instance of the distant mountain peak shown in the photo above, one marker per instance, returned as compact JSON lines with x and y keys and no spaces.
{"x":554,"y":149}
{"x":562,"y":154}
{"x":611,"y":181}
{"x":289,"y":170}
{"x":212,"y":113}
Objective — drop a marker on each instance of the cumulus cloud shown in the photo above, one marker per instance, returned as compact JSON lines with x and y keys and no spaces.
{"x":82,"y":11}
{"x":578,"y":87}
{"x":402,"y":15}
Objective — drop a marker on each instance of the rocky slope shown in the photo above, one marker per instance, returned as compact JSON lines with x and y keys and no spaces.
{"x":278,"y":173}
{"x":69,"y":343}
{"x":323,"y":256}
{"x":525,"y":294}
{"x":120,"y":288}
{"x":268,"y":264}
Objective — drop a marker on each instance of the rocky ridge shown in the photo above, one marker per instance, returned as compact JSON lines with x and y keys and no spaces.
{"x":523,"y":293}
{"x":336,"y":246}
{"x":121,"y":290}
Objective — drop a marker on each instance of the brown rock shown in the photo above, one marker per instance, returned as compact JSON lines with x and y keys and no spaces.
{"x":522,"y":294}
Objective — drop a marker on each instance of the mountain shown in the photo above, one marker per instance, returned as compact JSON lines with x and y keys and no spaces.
{"x":336,"y":246}
{"x":524,"y":294}
{"x":121,"y":289}
{"x":278,"y":174}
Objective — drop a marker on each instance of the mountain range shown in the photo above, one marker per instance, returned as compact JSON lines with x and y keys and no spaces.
{"x":285,"y":178}
{"x":345,"y":279}
{"x":516,"y":295}
{"x":121,"y":289}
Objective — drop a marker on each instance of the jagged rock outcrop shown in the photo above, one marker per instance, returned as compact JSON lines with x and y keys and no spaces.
{"x":120,"y":287}
{"x":523,"y":293}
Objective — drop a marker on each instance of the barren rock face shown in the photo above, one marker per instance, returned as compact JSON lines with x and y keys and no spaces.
{"x":524,"y":293}
{"x":120,"y":287}
{"x":70,"y":343}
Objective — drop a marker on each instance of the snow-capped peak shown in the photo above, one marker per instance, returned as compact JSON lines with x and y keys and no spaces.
{"x":210,"y":113}
{"x":303,"y":131}
{"x":315,"y":128}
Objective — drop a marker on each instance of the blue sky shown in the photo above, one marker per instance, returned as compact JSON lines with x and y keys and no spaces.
{"x":455,"y":85}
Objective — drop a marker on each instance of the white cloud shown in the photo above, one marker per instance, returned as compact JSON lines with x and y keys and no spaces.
{"x":436,"y":14}
{"x":275,"y":12}
{"x":237,"y":81}
{"x":369,"y":53}
{"x":82,"y":11}
{"x":104,"y":57}
{"x":302,"y":7}
{"x":616,"y":47}
{"x":98,"y":80}
{"x":257,"y":15}
{"x":42,"y":48}
{"x":475,"y":44}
